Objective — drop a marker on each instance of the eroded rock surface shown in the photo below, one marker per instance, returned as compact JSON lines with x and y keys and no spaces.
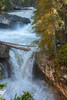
{"x":4,"y":62}
{"x":43,"y":71}
{"x":4,"y":52}
{"x":10,"y":21}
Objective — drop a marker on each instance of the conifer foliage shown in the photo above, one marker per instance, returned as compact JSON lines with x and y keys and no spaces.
{"x":6,"y":5}
{"x":47,"y":21}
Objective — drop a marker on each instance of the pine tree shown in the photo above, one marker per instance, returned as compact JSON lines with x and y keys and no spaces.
{"x":47,"y":21}
{"x":2,"y":6}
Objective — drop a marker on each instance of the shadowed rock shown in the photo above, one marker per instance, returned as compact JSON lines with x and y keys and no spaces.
{"x":5,"y":69}
{"x":4,"y":51}
{"x":10,"y":21}
{"x":20,"y":8}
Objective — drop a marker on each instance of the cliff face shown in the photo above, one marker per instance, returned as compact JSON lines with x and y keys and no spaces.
{"x":42,"y":69}
{"x":4,"y":52}
{"x":4,"y":64}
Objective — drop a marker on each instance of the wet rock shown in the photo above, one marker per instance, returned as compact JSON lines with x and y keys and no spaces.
{"x":14,"y":18}
{"x":37,"y":73}
{"x":5,"y":70}
{"x":4,"y":26}
{"x":4,"y":52}
{"x":10,"y":21}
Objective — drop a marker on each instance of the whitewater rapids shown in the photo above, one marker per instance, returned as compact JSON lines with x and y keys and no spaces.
{"x":22,"y":62}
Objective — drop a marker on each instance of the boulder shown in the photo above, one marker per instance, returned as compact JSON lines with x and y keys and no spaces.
{"x":10,"y":21}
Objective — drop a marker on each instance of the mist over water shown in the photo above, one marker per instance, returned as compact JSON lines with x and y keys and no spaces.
{"x":22,"y":62}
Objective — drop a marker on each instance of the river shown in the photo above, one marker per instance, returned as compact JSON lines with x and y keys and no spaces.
{"x":22,"y":62}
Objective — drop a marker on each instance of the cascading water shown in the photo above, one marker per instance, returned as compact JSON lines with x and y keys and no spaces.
{"x":22,"y":62}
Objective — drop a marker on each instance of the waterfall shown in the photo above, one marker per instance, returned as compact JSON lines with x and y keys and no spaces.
{"x":22,"y":62}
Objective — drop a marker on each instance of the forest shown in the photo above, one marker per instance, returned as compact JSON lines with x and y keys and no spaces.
{"x":7,"y":5}
{"x":50,"y":24}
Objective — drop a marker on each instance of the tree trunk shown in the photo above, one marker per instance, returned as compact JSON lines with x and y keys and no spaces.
{"x":17,"y":46}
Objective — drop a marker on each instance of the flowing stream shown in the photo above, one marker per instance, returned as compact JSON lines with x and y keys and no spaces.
{"x":22,"y":62}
